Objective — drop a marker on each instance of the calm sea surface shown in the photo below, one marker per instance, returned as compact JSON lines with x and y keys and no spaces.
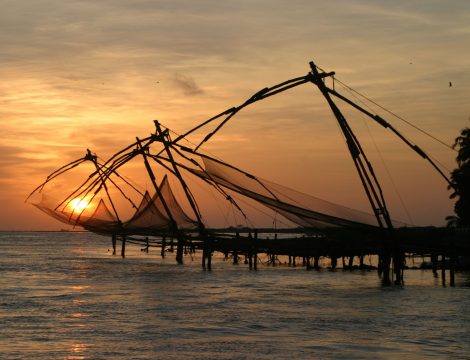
{"x":64,"y":296}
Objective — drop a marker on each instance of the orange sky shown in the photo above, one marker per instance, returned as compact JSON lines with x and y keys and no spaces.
{"x":94,"y":74}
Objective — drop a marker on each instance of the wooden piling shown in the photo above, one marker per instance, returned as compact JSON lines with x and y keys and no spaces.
{"x":334,"y":262}
{"x":386,"y":260}
{"x":147,"y":245}
{"x":255,"y":261}
{"x":434,"y":261}
{"x":209,"y":260}
{"x":162,"y":253}
{"x":204,"y":251}
{"x":350,"y":262}
{"x":235,"y":257}
{"x":452,"y":270}
{"x":443,"y":269}
{"x":452,"y":261}
{"x":113,"y":240}
{"x":398,"y":266}
{"x":179,"y":250}
{"x":255,"y":252}
{"x":123,"y":247}
{"x":316,"y":260}
{"x":235,"y":252}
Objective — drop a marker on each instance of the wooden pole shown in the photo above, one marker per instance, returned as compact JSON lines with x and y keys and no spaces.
{"x":316,"y":260}
{"x":334,"y":262}
{"x":179,"y":249}
{"x":255,"y":254}
{"x":123,"y":248}
{"x":235,"y":252}
{"x":434,"y":264}
{"x":113,"y":240}
{"x":443,"y":269}
{"x":452,"y":258}
{"x":386,"y":260}
{"x":350,"y":262}
{"x":204,"y":251}
{"x":398,"y":266}
{"x":452,"y":269}
{"x":163,"y":246}
{"x":209,"y":260}
{"x":209,"y":252}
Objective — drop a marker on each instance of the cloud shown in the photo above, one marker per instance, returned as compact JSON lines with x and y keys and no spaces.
{"x":187,"y":84}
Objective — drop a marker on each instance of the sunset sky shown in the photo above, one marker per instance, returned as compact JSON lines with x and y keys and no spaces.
{"x":94,"y":74}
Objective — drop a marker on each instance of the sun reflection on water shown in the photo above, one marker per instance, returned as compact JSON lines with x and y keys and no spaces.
{"x":78,"y":351}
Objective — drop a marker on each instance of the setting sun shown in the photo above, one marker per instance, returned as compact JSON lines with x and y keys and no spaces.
{"x":79,"y":204}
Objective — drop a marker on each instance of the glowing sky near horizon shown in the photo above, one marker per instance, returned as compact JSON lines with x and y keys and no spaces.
{"x":94,"y":74}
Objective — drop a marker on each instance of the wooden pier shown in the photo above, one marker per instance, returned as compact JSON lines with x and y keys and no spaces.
{"x":445,"y":247}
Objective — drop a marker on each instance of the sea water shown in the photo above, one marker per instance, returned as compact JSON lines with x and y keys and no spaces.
{"x":65,"y":296}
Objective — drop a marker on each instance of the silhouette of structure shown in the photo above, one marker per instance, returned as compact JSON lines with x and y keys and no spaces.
{"x":328,"y":229}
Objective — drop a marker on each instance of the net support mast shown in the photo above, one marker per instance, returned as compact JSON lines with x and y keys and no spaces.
{"x":366,"y":174}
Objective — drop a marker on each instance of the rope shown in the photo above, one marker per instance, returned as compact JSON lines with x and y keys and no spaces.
{"x":395,"y":115}
{"x":410,"y":219}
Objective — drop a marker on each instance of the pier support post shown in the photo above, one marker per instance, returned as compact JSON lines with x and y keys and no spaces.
{"x":350,"y":262}
{"x":255,"y":251}
{"x":235,"y":257}
{"x":307,"y":262}
{"x":316,"y":260}
{"x":398,"y":266}
{"x":179,"y":250}
{"x":443,"y":269}
{"x":452,"y":270}
{"x":235,"y":252}
{"x":452,"y":261}
{"x":434,"y":264}
{"x":162,"y":253}
{"x":123,"y":247}
{"x":385,"y":268}
{"x":204,"y":250}
{"x":334,"y":262}
{"x":147,"y":245}
{"x":113,"y":240}
{"x":209,"y":253}
{"x":209,"y":260}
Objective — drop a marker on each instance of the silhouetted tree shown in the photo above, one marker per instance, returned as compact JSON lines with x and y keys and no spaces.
{"x":460,"y":179}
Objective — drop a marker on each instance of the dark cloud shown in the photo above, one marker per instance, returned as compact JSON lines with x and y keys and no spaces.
{"x":187,"y":84}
